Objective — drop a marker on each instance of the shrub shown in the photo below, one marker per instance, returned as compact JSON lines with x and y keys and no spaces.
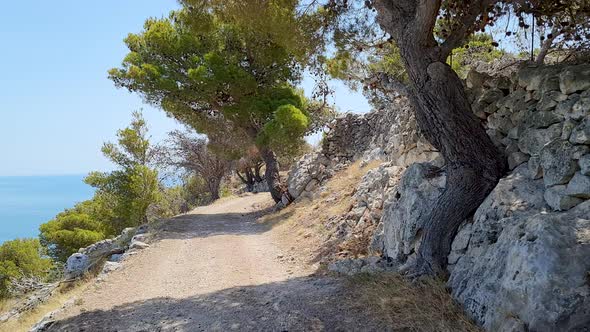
{"x":21,"y":258}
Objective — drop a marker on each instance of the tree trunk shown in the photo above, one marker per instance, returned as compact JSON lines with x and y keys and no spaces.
{"x":277,"y":190}
{"x":213,"y":185}
{"x":443,"y":112}
{"x":473,"y":164}
{"x":257,"y":167}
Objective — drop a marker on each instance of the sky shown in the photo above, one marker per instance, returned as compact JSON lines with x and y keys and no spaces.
{"x":57,"y":105}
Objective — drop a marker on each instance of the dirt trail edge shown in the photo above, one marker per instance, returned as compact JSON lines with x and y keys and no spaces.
{"x":216,"y":269}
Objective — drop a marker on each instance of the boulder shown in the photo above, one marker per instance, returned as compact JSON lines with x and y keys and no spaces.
{"x":76,"y":265}
{"x":559,"y":200}
{"x":110,"y":267}
{"x":517,"y":158}
{"x":491,"y":96}
{"x":517,"y":268}
{"x":574,"y":78}
{"x":581,"y":133}
{"x":419,"y":186}
{"x":557,"y":161}
{"x":532,"y":140}
{"x":535,"y":169}
{"x":579,"y":186}
{"x":138,"y":245}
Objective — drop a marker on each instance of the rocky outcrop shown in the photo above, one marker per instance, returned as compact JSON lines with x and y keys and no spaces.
{"x":522,"y":261}
{"x":86,"y":258}
{"x":519,"y":264}
{"x":389,"y":135}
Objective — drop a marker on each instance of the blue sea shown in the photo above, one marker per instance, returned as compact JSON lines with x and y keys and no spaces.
{"x":28,"y":201}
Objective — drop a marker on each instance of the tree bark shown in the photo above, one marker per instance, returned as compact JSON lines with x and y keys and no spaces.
{"x":213,"y":185}
{"x":443,"y":112}
{"x":273,"y":179}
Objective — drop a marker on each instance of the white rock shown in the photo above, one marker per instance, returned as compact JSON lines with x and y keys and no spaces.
{"x":76,"y":265}
{"x":138,"y":245}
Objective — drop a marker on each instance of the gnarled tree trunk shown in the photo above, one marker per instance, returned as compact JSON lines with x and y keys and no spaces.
{"x":473,"y":164}
{"x":273,"y":179}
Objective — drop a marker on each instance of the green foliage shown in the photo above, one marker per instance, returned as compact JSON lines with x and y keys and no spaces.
{"x":480,"y":47}
{"x":134,"y":186}
{"x":69,"y":231}
{"x":286,"y":129}
{"x":21,"y":258}
{"x":222,"y":67}
{"x":121,"y":200}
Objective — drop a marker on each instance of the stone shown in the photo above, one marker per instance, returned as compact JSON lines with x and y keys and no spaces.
{"x":579,"y":186}
{"x":557,"y":162}
{"x":110,"y":267}
{"x":534,"y":167}
{"x":579,"y":151}
{"x":581,"y":133}
{"x":475,"y":79}
{"x":116,"y":258}
{"x":418,"y":188}
{"x":581,"y":108}
{"x":533,"y":140}
{"x":138,"y":245}
{"x":500,"y":122}
{"x":574,"y":78}
{"x":568,"y":128}
{"x":558,"y":198}
{"x":517,"y":158}
{"x":491,"y":96}
{"x":584,"y":163}
{"x":139,"y":237}
{"x":76,"y":265}
{"x":548,"y":101}
{"x":518,"y":264}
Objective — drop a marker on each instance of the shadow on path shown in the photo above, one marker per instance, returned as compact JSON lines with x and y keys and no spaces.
{"x":301,"y":304}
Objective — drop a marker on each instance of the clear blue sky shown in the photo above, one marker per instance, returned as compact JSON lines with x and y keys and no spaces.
{"x":56,"y":104}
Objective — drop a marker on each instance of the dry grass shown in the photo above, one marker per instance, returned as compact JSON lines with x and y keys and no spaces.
{"x":306,"y":218}
{"x":64,"y":293}
{"x":424,"y":305}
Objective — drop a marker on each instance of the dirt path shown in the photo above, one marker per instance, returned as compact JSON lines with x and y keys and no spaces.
{"x":215,"y":269}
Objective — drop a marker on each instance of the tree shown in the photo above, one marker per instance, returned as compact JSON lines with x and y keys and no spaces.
{"x":71,"y":230}
{"x":443,"y":112}
{"x":192,"y":154}
{"x":213,"y":70}
{"x":21,"y":258}
{"x":134,"y":186}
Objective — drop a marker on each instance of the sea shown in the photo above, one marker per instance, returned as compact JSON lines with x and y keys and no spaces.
{"x":28,"y":201}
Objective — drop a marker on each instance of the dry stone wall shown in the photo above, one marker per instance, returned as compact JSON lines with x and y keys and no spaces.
{"x":522,"y":262}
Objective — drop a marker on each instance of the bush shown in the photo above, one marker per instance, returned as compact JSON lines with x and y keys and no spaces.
{"x":21,"y":258}
{"x":70,"y":231}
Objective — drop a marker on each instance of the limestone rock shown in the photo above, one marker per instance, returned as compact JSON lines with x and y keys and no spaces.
{"x":532,"y":140}
{"x":581,"y":134}
{"x":557,"y":162}
{"x":110,"y":267}
{"x":579,"y":186}
{"x":138,"y":245}
{"x":518,"y":264}
{"x":575,"y":78}
{"x":420,"y":185}
{"x":491,"y":96}
{"x":584,"y":163}
{"x":558,"y":198}
{"x":76,"y":265}
{"x":517,"y":158}
{"x":535,"y":169}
